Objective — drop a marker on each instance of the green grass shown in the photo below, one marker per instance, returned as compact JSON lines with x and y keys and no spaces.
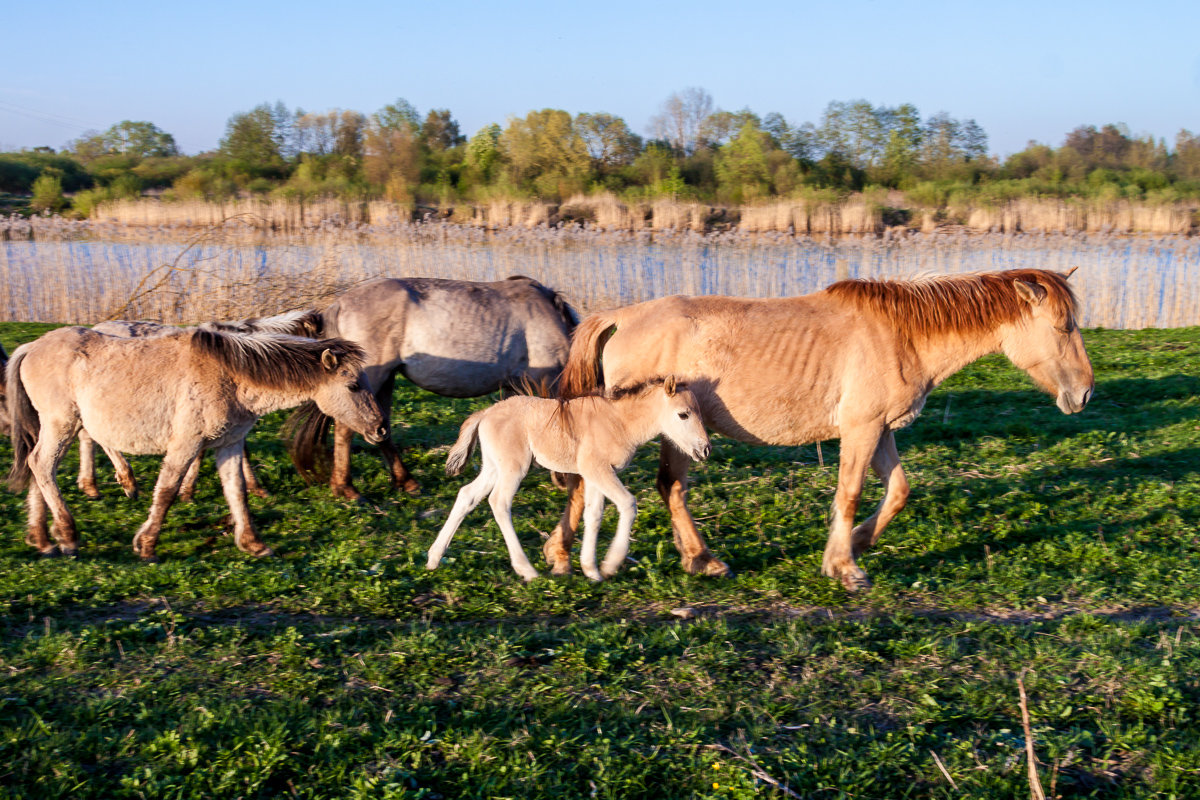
{"x":1064,"y":548}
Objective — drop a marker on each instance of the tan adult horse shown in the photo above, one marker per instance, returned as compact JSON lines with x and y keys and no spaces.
{"x":854,"y":361}
{"x":453,"y":338}
{"x":305,"y":323}
{"x":588,"y":436}
{"x":176,"y":394}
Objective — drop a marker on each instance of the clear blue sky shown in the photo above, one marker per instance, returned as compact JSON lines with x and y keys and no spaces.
{"x":1022,"y":70}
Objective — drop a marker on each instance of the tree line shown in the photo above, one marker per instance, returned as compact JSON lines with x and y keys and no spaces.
{"x":693,"y":151}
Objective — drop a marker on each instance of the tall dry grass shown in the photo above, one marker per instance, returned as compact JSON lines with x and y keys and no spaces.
{"x":60,"y":271}
{"x":815,"y":213}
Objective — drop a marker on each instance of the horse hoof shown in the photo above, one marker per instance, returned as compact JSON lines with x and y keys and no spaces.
{"x":70,"y":552}
{"x":347,"y":493}
{"x":560,"y":569}
{"x":856,"y":582}
{"x":529,"y":577}
{"x":90,"y":492}
{"x":52,"y":552}
{"x":149,"y":559}
{"x":709,"y":566}
{"x":410,"y":487}
{"x":132,"y":494}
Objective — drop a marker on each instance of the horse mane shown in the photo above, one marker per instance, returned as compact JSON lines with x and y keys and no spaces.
{"x":275,"y":360}
{"x":570,"y":316}
{"x":306,"y":322}
{"x":955,"y":304}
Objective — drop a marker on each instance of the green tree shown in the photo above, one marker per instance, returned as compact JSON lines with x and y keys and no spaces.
{"x":137,"y":140}
{"x":254,"y":140}
{"x":546,"y":154}
{"x":47,"y":193}
{"x":741,"y":165}
{"x":608,"y":140}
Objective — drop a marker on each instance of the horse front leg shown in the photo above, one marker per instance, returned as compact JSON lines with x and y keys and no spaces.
{"x":174,"y":465}
{"x":252,"y":485}
{"x":557,"y":548}
{"x":886,"y":465}
{"x":672,"y":485}
{"x":339,"y":476}
{"x":124,"y":472}
{"x":857,"y":449}
{"x":593,"y":513}
{"x":401,"y":477}
{"x":233,"y":484}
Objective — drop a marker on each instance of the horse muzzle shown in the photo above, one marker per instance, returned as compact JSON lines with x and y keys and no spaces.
{"x":376,"y":436}
{"x":701,"y":453}
{"x":1073,"y":403}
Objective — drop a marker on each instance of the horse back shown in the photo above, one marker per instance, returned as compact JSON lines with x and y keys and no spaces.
{"x":770,"y":371}
{"x":456,"y":338}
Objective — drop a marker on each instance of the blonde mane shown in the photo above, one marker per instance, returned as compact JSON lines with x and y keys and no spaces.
{"x":955,"y":304}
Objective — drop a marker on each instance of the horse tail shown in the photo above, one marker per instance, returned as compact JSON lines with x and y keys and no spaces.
{"x":581,"y":374}
{"x":26,"y":424}
{"x":307,"y":427}
{"x":468,"y":435}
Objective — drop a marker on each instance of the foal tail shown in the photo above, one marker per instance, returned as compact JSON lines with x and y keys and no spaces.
{"x":25,"y":424}
{"x":308,"y":427}
{"x":468,"y":435}
{"x":581,"y":374}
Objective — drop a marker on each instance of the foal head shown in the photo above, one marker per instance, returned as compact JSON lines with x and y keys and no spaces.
{"x":678,"y":415}
{"x":1046,"y":342}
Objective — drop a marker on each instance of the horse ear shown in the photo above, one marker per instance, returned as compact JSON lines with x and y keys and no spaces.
{"x":329,"y":360}
{"x":1032,"y":293}
{"x":1071,"y":271}
{"x":669,"y":385}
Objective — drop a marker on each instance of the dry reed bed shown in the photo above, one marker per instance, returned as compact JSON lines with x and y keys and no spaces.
{"x":853,"y":215}
{"x":55,"y":270}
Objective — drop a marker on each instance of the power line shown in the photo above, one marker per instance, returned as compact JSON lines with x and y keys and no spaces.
{"x":45,"y":116}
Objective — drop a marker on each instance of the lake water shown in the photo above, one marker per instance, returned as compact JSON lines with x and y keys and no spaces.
{"x":1123,"y":282}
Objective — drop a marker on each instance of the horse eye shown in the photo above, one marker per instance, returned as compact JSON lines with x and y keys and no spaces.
{"x":683,"y":415}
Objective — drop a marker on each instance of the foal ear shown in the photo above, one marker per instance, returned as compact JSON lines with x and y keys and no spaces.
{"x":1032,"y":293}
{"x":669,"y":385}
{"x":329,"y":360}
{"x":1071,"y":271}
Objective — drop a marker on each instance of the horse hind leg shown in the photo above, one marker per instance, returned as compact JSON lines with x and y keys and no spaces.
{"x":252,"y":485}
{"x":501,"y":498}
{"x":166,"y":487}
{"x":468,"y":498}
{"x":672,"y":486}
{"x":87,"y":467}
{"x":557,"y":547}
{"x":886,"y":465}
{"x":53,"y":441}
{"x":609,"y":485}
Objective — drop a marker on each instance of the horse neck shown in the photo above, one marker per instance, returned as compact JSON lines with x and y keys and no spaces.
{"x":635,"y":415}
{"x":942,"y":355}
{"x":261,"y":400}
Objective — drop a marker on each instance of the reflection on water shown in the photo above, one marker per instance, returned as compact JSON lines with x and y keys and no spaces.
{"x":1123,"y":282}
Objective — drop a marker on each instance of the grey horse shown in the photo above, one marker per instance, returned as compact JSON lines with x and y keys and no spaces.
{"x":453,"y":338}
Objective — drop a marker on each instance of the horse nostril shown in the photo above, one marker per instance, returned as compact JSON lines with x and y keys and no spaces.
{"x":381,"y":432}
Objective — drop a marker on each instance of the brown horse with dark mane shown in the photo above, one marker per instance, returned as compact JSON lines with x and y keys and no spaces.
{"x":854,"y":361}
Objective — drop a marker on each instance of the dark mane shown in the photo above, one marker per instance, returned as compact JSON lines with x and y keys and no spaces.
{"x":963,"y":304}
{"x":275,"y":360}
{"x":640,"y":388}
{"x":570,"y":316}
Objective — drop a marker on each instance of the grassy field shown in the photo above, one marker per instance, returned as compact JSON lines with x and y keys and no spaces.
{"x":1059,"y":550}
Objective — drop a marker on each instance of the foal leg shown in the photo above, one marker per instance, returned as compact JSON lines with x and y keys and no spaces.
{"x":37,"y":532}
{"x":233,"y":483}
{"x":469,"y":497}
{"x":87,"y":466}
{"x":885,"y":464}
{"x":858,"y":446}
{"x":593,"y":514}
{"x":672,"y":485}
{"x":174,"y":464}
{"x":401,"y":477}
{"x":507,"y":483}
{"x":557,"y":548}
{"x":612,"y":488}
